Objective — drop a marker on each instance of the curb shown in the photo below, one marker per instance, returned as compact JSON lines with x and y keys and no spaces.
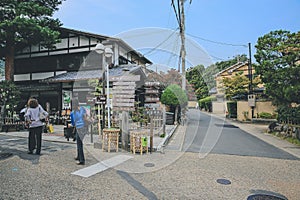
{"x":167,"y":138}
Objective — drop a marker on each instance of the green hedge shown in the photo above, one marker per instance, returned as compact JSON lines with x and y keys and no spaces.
{"x":206,"y":103}
{"x":266,"y":115}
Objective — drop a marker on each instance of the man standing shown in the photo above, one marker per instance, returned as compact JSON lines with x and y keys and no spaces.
{"x":78,"y":116}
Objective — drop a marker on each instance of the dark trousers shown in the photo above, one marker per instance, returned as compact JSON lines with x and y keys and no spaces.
{"x":80,"y":133}
{"x":35,"y":139}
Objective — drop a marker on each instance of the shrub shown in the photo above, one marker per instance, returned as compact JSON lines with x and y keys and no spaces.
{"x":266,"y":115}
{"x":206,"y":103}
{"x":288,"y":114}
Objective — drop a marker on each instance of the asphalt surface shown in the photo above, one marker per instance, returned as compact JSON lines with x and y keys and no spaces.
{"x":229,"y":139}
{"x":171,"y":173}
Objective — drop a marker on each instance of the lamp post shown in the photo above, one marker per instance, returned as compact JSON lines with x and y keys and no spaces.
{"x":100,"y":49}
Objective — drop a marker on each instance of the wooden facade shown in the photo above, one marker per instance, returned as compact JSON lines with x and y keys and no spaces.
{"x":46,"y":73}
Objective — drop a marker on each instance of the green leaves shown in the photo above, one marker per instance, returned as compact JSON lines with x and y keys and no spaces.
{"x":195,"y":78}
{"x":9,"y":95}
{"x":236,"y":85}
{"x":27,"y":23}
{"x":278,"y":57}
{"x":174,"y":95}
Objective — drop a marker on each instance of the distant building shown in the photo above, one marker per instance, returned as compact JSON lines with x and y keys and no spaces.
{"x":228,"y":73}
{"x":246,"y":108}
{"x":219,"y":106}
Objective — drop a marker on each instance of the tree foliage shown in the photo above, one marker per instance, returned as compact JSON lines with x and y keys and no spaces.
{"x":203,"y":78}
{"x":278,"y":57}
{"x":171,"y":77}
{"x":24,"y":23}
{"x":9,"y":96}
{"x":195,"y":78}
{"x":236,"y":85}
{"x":174,"y":96}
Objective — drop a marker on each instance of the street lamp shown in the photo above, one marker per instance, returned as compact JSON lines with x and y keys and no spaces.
{"x":100,"y":49}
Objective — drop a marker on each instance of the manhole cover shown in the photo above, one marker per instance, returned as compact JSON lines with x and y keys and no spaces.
{"x":149,"y":165}
{"x":224,"y":181}
{"x":5,"y":155}
{"x":265,"y":197}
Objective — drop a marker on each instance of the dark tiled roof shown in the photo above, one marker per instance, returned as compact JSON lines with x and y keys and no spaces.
{"x":76,"y":75}
{"x":92,"y":74}
{"x":232,"y":68}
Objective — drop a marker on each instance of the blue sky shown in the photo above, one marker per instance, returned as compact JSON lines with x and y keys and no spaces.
{"x":226,"y":21}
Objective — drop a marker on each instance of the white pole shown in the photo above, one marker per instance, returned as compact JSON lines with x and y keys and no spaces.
{"x":107,"y":98}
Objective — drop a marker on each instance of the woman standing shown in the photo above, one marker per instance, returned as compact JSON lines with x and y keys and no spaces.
{"x":32,"y":117}
{"x":78,"y":116}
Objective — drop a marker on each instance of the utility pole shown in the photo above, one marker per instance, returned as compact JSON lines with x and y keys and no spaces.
{"x":180,"y":16}
{"x":250,"y":92}
{"x":182,"y":50}
{"x":250,"y":70}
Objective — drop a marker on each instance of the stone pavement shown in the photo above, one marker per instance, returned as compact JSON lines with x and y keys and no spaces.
{"x":166,"y":174}
{"x":58,"y":136}
{"x":176,"y":134}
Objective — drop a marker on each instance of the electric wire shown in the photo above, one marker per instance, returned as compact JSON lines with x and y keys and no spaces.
{"x":157,"y":46}
{"x":217,"y":42}
{"x":175,"y":11}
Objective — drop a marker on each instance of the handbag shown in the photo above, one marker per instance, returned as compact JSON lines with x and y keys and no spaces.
{"x":50,"y":128}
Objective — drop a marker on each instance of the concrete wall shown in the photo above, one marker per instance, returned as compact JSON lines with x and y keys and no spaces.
{"x":244,"y":112}
{"x":192,"y":104}
{"x":219,"y":107}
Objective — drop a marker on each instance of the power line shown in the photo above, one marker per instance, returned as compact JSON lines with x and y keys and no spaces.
{"x":156,"y":47}
{"x":217,"y":42}
{"x":176,"y":14}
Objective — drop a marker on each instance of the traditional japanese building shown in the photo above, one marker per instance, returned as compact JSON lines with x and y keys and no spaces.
{"x":53,"y":75}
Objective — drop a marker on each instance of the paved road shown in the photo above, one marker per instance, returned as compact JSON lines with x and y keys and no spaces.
{"x":206,"y":133}
{"x":18,"y":146}
{"x":173,"y":174}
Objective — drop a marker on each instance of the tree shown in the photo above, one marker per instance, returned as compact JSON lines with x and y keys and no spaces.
{"x":171,"y":77}
{"x":175,"y":97}
{"x":195,"y":78}
{"x":9,"y":96}
{"x":26,"y":23}
{"x":278,"y":57}
{"x":236,"y":85}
